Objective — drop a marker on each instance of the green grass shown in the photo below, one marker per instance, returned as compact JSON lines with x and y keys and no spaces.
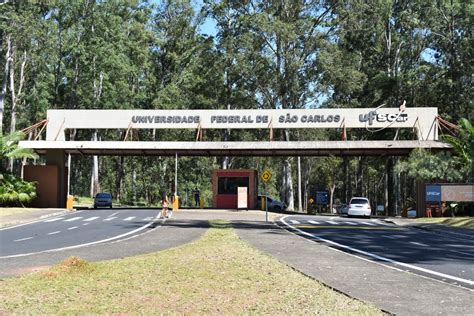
{"x":217,"y":274}
{"x":463,"y":222}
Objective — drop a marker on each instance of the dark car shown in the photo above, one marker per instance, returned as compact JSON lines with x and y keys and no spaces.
{"x":103,"y":199}
{"x":273,"y":205}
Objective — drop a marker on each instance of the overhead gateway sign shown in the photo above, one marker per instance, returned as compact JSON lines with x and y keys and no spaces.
{"x":423,"y":119}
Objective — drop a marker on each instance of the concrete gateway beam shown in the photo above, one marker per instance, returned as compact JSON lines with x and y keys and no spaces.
{"x":260,"y":148}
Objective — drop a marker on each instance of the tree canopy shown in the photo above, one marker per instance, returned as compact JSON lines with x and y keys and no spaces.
{"x":139,"y":54}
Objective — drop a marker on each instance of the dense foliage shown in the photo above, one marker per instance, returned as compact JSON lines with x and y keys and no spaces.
{"x":13,"y":190}
{"x":221,"y":54}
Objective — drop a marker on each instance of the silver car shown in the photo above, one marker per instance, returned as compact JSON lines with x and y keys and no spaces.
{"x":273,"y":205}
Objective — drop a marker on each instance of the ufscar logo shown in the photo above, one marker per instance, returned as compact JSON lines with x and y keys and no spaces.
{"x":389,"y":117}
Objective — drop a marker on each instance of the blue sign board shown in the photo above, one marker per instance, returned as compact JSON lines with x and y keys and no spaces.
{"x":322,"y":197}
{"x":433,"y":193}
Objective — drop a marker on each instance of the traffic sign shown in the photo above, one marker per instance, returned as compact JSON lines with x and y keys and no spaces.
{"x":266,"y":176}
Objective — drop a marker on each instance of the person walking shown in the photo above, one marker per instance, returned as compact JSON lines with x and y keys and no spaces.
{"x":197,"y":197}
{"x":164,"y":204}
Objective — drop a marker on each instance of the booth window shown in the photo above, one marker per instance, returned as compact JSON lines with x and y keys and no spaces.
{"x":229,"y":185}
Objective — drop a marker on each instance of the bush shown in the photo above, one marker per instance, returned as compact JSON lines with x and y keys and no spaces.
{"x":15,"y":191}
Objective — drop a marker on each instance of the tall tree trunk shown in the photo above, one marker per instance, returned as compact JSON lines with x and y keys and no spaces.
{"x":300,"y":206}
{"x":287,"y":183}
{"x":3,"y":92}
{"x":390,"y":187}
{"x":95,"y":185}
{"x":359,"y":179}
{"x":345,"y":185}
{"x":15,"y":94}
{"x":72,"y":136}
{"x":118,"y":178}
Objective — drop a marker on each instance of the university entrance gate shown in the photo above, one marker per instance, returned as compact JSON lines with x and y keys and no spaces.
{"x":52,"y":179}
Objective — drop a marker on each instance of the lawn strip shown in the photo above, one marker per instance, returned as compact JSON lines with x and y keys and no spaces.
{"x":219,"y":273}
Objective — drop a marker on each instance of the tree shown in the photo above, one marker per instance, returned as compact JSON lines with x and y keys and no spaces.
{"x":12,"y":189}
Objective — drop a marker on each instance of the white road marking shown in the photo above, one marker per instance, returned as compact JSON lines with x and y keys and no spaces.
{"x":90,"y":219}
{"x":313,"y":222}
{"x":86,"y":244}
{"x":109,"y":218}
{"x":380,"y":258}
{"x":332,"y":222}
{"x":73,"y":227}
{"x":73,"y":219}
{"x":368,"y":223}
{"x":418,"y":244}
{"x":54,"y":233}
{"x":22,"y":239}
{"x":85,"y":224}
{"x":294,"y":222}
{"x":113,"y":214}
{"x":129,"y":218}
{"x":350,"y":223}
{"x":148,"y":218}
{"x":53,"y":219}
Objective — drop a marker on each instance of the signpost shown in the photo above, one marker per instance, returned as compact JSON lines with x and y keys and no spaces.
{"x":266,"y":176}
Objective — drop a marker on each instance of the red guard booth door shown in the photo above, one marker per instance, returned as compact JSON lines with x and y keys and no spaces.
{"x":225,"y":184}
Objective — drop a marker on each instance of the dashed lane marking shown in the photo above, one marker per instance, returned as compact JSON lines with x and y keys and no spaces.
{"x":73,"y":227}
{"x":314,"y":222}
{"x":73,"y":219}
{"x":23,"y":239}
{"x":129,"y":218}
{"x":332,"y":222}
{"x":294,"y":222}
{"x":53,"y":219}
{"x":113,"y":214}
{"x":54,"y":233}
{"x":351,"y":223}
{"x":90,"y":219}
{"x":418,"y":244}
{"x":368,"y":223}
{"x":110,"y":218}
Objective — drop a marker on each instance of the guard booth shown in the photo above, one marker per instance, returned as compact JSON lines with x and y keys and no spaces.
{"x":225,"y":184}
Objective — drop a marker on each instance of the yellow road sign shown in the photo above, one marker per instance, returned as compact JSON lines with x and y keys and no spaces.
{"x":266,"y":176}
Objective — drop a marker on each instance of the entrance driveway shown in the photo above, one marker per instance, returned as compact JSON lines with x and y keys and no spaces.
{"x":394,"y":291}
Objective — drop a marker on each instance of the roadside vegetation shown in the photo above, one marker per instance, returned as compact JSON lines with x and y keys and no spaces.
{"x":258,"y":55}
{"x":217,"y":274}
{"x":463,"y":222}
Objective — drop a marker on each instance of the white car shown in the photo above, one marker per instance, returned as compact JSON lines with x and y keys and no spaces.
{"x":359,"y":206}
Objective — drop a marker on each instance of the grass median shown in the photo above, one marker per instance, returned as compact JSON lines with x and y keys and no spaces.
{"x":217,"y":274}
{"x":463,"y":222}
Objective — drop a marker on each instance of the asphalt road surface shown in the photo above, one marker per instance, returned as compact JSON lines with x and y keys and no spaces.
{"x":444,"y":257}
{"x":75,"y":230}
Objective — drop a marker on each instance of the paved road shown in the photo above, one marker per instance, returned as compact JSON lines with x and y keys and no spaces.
{"x":444,"y":257}
{"x":75,"y":229}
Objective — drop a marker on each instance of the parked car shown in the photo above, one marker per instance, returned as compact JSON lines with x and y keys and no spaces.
{"x":273,"y":205}
{"x":359,"y":206}
{"x":343,"y":209}
{"x":103,"y":199}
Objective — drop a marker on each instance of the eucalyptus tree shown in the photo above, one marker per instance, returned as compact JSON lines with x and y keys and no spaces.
{"x":275,"y":45}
